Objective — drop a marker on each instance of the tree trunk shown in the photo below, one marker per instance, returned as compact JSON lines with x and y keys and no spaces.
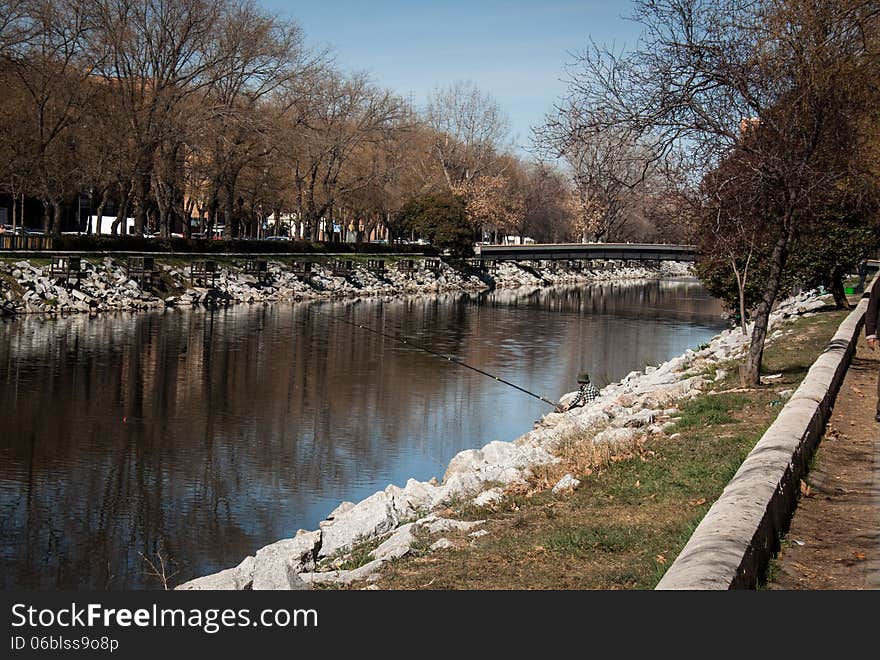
{"x":164,"y":231}
{"x":750,"y":375}
{"x":47,"y":216}
{"x":105,"y":196}
{"x":741,"y":289}
{"x":840,"y":299}
{"x":213,"y":206}
{"x":89,"y":216}
{"x":231,"y":230}
{"x":57,"y":209}
{"x":142,"y":200}
{"x":121,"y":213}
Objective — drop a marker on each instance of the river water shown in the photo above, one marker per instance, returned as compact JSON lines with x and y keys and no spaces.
{"x":204,"y":435}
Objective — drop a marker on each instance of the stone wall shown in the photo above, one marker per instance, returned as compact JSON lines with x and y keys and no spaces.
{"x":734,"y":543}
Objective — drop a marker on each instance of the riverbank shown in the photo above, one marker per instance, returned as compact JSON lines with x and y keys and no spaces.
{"x":425,"y":522}
{"x":105,"y":286}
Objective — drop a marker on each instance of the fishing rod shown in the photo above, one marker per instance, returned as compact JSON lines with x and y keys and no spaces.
{"x":448,"y":359}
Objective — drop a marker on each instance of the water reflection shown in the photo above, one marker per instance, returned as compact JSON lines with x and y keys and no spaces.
{"x":214,"y":433}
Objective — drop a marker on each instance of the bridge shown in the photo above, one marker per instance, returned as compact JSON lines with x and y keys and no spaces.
{"x":598,"y":251}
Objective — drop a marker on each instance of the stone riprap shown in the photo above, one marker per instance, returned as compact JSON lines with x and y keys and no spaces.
{"x":396,"y":519}
{"x":105,"y":286}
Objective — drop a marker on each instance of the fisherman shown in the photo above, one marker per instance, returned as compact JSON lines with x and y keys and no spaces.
{"x":587,"y":393}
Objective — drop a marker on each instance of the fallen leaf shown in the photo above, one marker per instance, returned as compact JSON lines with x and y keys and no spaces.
{"x":859,"y":555}
{"x":638,"y":484}
{"x":805,"y":489}
{"x":660,"y":559}
{"x":699,"y":502}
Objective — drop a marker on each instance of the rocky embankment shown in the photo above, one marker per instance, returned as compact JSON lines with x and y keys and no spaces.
{"x":395,"y":520}
{"x":27,"y":288}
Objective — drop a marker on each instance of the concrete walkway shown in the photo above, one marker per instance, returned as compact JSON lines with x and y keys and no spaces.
{"x":834,"y":539}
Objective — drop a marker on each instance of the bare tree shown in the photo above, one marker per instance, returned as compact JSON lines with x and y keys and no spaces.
{"x":544,"y":190}
{"x":470,"y":130}
{"x":496,"y":203}
{"x":254,"y":56}
{"x":159,"y":54}
{"x":734,"y":228}
{"x":345,"y":118}
{"x":608,"y":168}
{"x":51,"y":71}
{"x":791,"y":73}
{"x":16,"y":26}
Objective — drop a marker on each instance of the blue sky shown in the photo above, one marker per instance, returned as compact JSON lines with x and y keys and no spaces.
{"x":515,"y":50}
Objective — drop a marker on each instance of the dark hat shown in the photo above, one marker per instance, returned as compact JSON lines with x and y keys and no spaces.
{"x":583,"y":377}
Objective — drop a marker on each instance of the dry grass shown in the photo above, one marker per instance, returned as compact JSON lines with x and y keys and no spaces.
{"x":578,"y":455}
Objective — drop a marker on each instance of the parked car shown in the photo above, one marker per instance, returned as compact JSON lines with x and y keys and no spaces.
{"x":198,"y":235}
{"x":277,"y":238}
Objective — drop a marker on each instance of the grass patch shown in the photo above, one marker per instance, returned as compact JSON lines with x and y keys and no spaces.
{"x":709,"y":411}
{"x":585,"y":541}
{"x":358,"y":556}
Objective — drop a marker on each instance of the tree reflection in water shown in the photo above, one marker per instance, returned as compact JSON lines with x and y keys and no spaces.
{"x":216,"y":432}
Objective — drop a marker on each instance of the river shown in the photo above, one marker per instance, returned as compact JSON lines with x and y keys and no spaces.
{"x":204,"y":435}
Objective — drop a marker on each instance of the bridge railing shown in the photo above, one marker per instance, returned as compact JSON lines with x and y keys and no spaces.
{"x":598,"y":251}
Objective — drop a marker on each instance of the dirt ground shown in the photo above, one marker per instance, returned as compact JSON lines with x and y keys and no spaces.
{"x":834,"y":540}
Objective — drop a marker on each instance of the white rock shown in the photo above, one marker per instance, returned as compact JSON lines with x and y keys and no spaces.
{"x":567,"y":483}
{"x":639,"y":419}
{"x":442,"y":544}
{"x":232,"y":579}
{"x":503,"y":462}
{"x":365,"y":520}
{"x":343,"y":507}
{"x":489,"y":496}
{"x":439,"y":525}
{"x":397,"y":545}
{"x":479,"y":533}
{"x":364,"y":572}
{"x":277,"y":566}
{"x":616,"y":435}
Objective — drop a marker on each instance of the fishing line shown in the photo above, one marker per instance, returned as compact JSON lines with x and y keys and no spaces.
{"x":448,"y":359}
